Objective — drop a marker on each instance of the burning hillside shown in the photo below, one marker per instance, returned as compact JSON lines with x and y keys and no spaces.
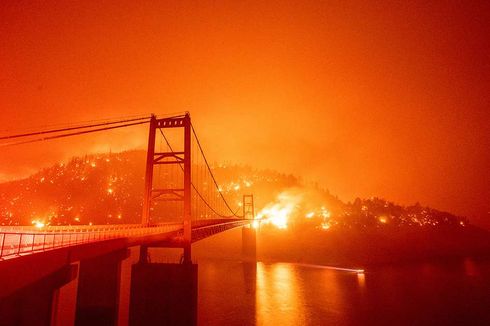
{"x":108,"y":189}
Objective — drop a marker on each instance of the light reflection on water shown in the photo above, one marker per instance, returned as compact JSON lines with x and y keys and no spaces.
{"x":361,"y":280}
{"x":279,"y":297}
{"x":289,"y":294}
{"x":281,"y":294}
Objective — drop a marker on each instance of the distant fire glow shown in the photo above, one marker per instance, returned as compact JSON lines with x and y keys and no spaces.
{"x":279,"y":212}
{"x":325,"y":212}
{"x":38,"y":223}
{"x":276,"y":215}
{"x":78,"y":182}
{"x":290,"y":207}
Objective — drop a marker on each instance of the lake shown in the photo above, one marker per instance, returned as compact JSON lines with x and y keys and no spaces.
{"x":442,"y":293}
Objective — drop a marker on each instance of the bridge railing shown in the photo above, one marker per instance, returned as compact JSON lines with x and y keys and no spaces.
{"x":64,"y":228}
{"x":17,"y":242}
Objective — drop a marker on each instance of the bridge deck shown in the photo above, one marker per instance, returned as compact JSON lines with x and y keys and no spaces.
{"x":19,"y":241}
{"x":29,"y":254}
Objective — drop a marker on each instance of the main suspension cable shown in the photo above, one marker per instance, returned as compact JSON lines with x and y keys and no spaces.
{"x":86,"y":126}
{"x":72,"y":134}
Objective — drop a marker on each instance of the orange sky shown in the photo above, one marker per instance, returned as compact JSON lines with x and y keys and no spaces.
{"x":377,"y":99}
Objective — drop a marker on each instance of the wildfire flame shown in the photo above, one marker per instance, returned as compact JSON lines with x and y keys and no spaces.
{"x":279,"y":212}
{"x":295,"y":203}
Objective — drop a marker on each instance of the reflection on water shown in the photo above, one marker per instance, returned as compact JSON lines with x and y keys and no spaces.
{"x":279,"y":297}
{"x":236,"y":293}
{"x":455,"y":293}
{"x":361,"y":280}
{"x":284,"y":294}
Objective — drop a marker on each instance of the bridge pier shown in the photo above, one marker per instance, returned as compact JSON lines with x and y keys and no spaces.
{"x":98,"y":289}
{"x":249,"y":244}
{"x":163,"y":294}
{"x":35,"y":304}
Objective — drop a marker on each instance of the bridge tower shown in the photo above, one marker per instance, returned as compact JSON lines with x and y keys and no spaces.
{"x":248,"y":207}
{"x":183,"y":158}
{"x":249,"y":233}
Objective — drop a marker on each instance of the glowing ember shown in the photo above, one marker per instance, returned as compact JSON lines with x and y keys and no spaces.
{"x":382,"y":219}
{"x":325,"y":213}
{"x":325,"y":226}
{"x":310,"y":215}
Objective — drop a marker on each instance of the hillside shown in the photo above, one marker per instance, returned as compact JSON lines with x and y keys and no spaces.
{"x":108,"y":189}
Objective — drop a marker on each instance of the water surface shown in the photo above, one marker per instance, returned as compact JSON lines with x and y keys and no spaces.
{"x":443,"y":293}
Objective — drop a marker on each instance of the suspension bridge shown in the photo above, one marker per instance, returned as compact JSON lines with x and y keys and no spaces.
{"x":182,"y":203}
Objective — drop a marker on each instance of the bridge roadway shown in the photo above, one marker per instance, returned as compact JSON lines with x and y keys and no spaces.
{"x":28,"y":254}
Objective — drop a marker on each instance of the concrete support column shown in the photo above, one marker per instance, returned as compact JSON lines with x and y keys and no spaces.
{"x":163,"y":294}
{"x":249,"y":244}
{"x":98,"y":289}
{"x":36,"y":303}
